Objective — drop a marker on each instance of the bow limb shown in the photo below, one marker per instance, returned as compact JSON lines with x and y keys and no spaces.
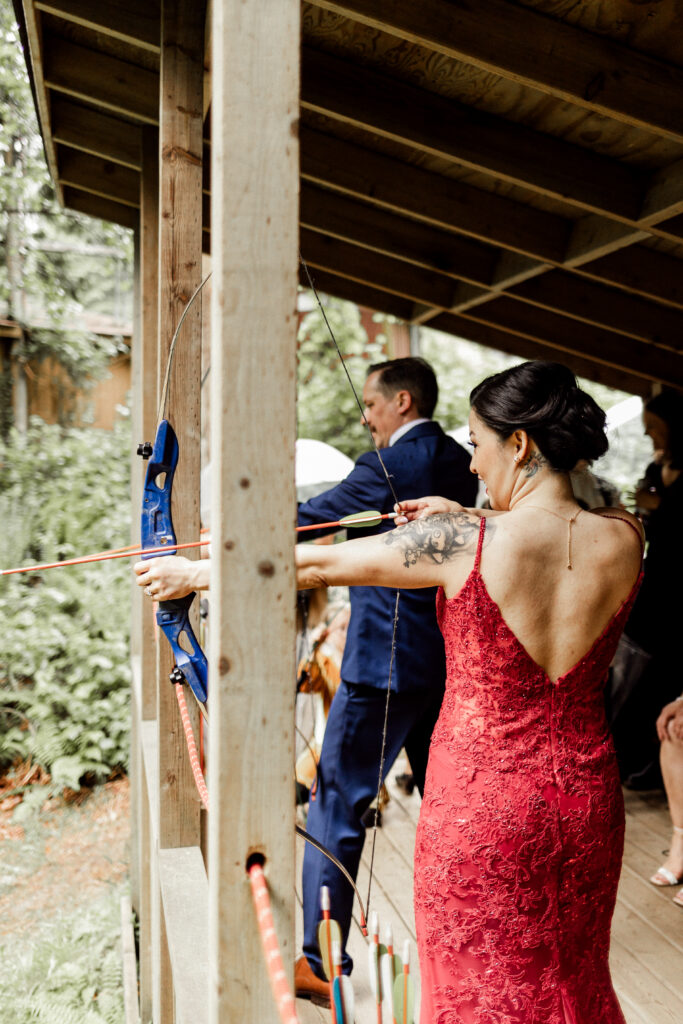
{"x":331,"y":857}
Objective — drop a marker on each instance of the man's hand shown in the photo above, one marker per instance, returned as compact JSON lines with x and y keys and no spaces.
{"x":172,"y":576}
{"x":670,"y":721}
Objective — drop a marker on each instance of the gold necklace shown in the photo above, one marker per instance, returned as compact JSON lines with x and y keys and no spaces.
{"x":570,"y":522}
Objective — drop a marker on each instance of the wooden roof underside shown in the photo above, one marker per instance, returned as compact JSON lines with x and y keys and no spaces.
{"x":509,"y":172}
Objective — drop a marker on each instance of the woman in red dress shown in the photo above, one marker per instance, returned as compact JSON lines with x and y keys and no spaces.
{"x":519,"y":844}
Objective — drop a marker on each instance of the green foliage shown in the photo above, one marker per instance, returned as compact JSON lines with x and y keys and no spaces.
{"x":70,"y":973}
{"x":327,"y":410}
{"x":458,"y":365}
{"x":54,"y":264}
{"x":64,"y":645}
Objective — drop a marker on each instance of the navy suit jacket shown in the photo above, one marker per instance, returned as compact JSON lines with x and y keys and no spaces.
{"x":424,"y":461}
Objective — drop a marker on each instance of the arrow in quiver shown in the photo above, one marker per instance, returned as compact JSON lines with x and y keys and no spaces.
{"x":342,"y":990}
{"x":404,"y":992}
{"x":329,"y":933}
{"x":390,"y":967}
{"x":375,"y":952}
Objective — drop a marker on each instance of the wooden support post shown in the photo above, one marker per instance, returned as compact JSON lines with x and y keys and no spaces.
{"x":135,"y":766}
{"x":145,"y":374}
{"x":149,"y":373}
{"x":253,"y":317}
{"x":180,"y":257}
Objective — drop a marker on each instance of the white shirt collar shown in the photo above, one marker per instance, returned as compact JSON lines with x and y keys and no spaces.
{"x":405,"y":428}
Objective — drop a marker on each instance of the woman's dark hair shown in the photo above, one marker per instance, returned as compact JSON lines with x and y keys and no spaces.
{"x":545,"y":400}
{"x":668,"y":406}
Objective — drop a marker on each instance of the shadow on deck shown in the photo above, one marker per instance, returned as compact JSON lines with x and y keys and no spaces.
{"x":647,"y":932}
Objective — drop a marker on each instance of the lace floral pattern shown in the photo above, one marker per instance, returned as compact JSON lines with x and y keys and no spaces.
{"x":519,"y":845}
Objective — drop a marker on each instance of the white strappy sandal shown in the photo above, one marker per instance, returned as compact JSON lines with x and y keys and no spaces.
{"x":663,"y":877}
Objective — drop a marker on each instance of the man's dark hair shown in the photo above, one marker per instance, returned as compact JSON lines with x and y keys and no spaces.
{"x":409,"y":374}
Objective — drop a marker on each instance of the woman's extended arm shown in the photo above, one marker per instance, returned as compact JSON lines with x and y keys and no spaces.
{"x":413,"y":556}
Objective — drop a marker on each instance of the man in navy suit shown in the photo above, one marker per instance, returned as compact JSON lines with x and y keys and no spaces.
{"x":399,"y":398}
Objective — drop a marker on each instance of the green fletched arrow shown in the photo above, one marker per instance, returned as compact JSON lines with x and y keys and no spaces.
{"x":367,"y":518}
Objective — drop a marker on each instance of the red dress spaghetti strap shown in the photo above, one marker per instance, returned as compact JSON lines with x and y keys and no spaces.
{"x":520,"y":839}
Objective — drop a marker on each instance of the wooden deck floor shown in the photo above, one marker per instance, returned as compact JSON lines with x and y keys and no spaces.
{"x":647,"y":934}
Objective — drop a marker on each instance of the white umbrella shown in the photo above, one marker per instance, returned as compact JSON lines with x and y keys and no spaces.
{"x":319,"y":466}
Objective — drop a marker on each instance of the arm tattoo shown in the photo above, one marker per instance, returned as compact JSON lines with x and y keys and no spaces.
{"x":533,"y":462}
{"x":437,"y":538}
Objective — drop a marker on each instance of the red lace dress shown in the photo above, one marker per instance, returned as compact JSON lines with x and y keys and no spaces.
{"x":519,"y":844}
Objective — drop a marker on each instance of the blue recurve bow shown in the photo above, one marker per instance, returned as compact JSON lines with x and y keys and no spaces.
{"x":156,"y":528}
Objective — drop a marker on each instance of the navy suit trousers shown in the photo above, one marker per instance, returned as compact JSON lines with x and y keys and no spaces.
{"x":347,"y":785}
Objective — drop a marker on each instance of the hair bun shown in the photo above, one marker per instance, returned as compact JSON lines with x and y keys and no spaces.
{"x":544,"y":399}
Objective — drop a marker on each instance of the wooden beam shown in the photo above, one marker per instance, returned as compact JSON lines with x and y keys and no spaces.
{"x":433,"y":199}
{"x":148,"y":368}
{"x":347,"y":219}
{"x":361,"y":294}
{"x":94,"y":132}
{"x":185,"y":896}
{"x":384,"y":272}
{"x":101,"y":177}
{"x":438,"y":126}
{"x":642,"y":271}
{"x":101,"y":80}
{"x":180,"y":259}
{"x":664,"y":196}
{"x":443,"y":202}
{"x":133,"y":23}
{"x":104,"y":209}
{"x":596,"y":343}
{"x":254,"y":231}
{"x":582,"y":365}
{"x":35,"y":55}
{"x":556,"y":291}
{"x":589,"y":70}
{"x":597,"y":304}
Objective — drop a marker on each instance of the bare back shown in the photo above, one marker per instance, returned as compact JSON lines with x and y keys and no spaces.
{"x":557,"y":613}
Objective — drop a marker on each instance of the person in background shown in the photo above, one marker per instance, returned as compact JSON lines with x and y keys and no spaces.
{"x":591,"y":490}
{"x":670,"y":733}
{"x":655,"y":622}
{"x":399,"y":399}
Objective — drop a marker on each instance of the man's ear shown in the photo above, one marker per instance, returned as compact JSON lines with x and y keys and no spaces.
{"x":404,"y":401}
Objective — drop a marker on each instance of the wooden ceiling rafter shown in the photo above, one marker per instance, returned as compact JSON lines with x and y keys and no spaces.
{"x":581,"y":361}
{"x":414,"y":199}
{"x":623,"y":325}
{"x":126,"y":20}
{"x":531,"y":48}
{"x":375,"y":102}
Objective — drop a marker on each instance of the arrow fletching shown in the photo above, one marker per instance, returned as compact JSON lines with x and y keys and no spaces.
{"x":369,"y":518}
{"x":404,"y":992}
{"x":329,"y":933}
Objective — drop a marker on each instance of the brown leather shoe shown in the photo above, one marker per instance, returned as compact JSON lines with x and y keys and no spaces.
{"x":308,"y":985}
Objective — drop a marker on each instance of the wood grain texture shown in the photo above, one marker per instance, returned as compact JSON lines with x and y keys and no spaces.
{"x":444,"y":128}
{"x":102,"y":80}
{"x":254,"y":234}
{"x":95,"y":132}
{"x":592,"y":71}
{"x":180,"y":255}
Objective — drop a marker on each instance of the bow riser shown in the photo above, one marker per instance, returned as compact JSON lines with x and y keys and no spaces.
{"x":173,"y":617}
